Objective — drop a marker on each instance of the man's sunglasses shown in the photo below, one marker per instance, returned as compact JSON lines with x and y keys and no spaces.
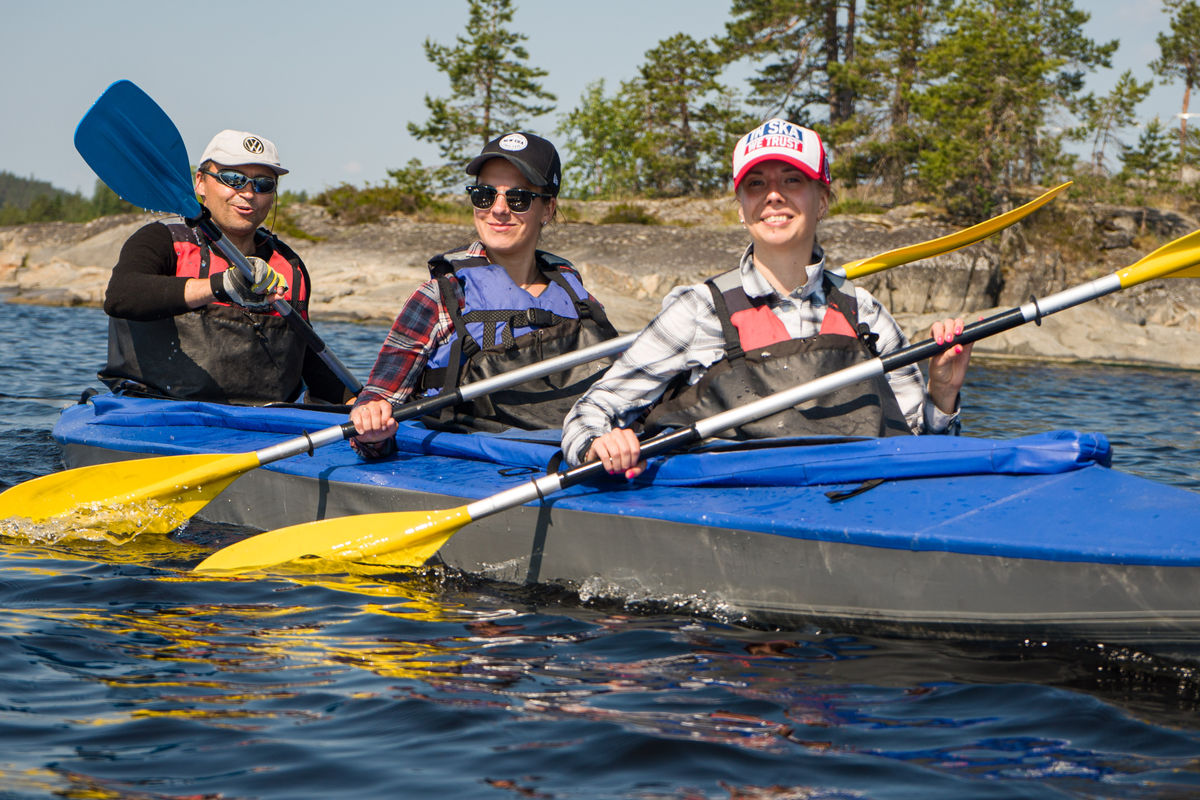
{"x":264,"y":184}
{"x":519,"y":200}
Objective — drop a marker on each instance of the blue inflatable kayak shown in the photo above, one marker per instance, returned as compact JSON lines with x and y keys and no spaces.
{"x":1024,"y":537}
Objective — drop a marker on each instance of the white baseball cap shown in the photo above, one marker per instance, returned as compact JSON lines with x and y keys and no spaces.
{"x":780,"y":140}
{"x":237,"y":148}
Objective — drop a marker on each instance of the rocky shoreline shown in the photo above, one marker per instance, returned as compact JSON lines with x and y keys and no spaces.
{"x":364,"y":273}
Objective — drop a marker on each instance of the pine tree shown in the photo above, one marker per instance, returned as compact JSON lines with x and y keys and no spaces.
{"x":883,"y":143}
{"x":1180,"y":58}
{"x":804,"y":47}
{"x":1151,"y":157}
{"x":602,"y":134}
{"x":668,"y":132}
{"x":1104,"y":116}
{"x":492,"y":89}
{"x":998,"y":76}
{"x":690,"y":124}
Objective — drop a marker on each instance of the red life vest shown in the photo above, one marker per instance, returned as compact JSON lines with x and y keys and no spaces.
{"x":762,"y":358}
{"x":757,"y":326}
{"x":219,"y":352}
{"x":194,"y":259}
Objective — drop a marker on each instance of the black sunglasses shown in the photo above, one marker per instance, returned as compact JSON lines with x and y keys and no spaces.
{"x":264,"y":184}
{"x":519,"y":200}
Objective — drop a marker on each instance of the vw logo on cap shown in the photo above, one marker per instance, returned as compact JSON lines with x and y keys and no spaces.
{"x":252,"y":145}
{"x":514,"y":141}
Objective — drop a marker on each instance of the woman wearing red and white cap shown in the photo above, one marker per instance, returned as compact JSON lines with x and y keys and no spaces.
{"x":776,"y":320}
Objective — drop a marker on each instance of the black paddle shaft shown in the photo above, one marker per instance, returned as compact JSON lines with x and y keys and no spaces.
{"x":912,"y":354}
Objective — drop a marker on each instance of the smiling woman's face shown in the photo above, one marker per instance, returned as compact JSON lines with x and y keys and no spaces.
{"x":780,"y":205}
{"x":503,"y":231}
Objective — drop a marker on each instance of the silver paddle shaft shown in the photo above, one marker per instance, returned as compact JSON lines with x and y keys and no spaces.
{"x":337,"y":433}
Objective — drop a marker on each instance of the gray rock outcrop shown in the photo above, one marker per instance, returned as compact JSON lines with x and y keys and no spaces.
{"x":364,"y":273}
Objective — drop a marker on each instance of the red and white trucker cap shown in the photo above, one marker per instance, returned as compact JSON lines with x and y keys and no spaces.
{"x":778,"y":139}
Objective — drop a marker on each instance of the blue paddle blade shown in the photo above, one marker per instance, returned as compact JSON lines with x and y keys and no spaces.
{"x":133,"y":146}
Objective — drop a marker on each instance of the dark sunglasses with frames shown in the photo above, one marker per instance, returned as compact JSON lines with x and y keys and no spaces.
{"x":264,"y":184}
{"x":483,"y":197}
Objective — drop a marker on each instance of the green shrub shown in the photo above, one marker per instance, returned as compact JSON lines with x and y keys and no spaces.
{"x":286,"y":226}
{"x":629,"y":213}
{"x":569,"y":212}
{"x":854,"y":205}
{"x":355,"y":206}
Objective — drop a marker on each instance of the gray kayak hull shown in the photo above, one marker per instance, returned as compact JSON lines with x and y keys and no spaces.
{"x":1087,"y":553}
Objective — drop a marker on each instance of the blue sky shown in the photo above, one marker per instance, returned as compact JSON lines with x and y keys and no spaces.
{"x":334,"y":84}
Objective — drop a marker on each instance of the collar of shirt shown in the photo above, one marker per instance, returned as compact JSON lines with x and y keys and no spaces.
{"x":756,"y":285}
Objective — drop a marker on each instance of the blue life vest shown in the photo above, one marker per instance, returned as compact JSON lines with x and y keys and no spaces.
{"x":501,"y":327}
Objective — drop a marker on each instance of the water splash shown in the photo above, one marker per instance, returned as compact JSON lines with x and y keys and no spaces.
{"x":115,"y":524}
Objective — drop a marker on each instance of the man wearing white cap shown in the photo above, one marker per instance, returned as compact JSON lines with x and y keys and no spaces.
{"x":777,"y":320}
{"x":184,"y":324}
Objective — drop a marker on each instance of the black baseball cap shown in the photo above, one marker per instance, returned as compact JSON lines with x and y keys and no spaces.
{"x":534,"y":156}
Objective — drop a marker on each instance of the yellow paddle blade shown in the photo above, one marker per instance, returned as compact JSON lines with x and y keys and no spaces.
{"x":1177,"y":259}
{"x":950,"y":242}
{"x":156,"y":495}
{"x":398,"y":538}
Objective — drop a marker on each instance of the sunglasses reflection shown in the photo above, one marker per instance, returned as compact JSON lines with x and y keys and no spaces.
{"x":519,"y":201}
{"x":263,"y":184}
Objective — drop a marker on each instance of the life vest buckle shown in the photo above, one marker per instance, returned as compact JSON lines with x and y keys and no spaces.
{"x":533,"y":318}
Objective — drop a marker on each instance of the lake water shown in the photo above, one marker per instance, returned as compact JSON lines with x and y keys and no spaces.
{"x":124,"y":676}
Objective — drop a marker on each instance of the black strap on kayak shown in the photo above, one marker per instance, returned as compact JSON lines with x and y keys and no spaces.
{"x":555,"y":462}
{"x":518,"y":472}
{"x":865,"y":486}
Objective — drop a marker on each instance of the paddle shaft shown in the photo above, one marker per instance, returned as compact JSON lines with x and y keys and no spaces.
{"x":998,"y":323}
{"x":429,"y":405}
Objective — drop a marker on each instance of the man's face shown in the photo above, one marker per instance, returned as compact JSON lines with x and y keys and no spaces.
{"x":238,"y":212}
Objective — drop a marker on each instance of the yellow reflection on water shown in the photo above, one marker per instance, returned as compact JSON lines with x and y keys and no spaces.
{"x":250,"y":643}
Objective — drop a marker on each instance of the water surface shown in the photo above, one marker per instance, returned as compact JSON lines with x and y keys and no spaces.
{"x":124,"y":676}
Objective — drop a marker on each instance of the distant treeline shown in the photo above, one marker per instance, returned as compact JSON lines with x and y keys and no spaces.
{"x":27,"y":200}
{"x":964,"y":104}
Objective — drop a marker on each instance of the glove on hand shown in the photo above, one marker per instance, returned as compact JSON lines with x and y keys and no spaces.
{"x":231,"y":286}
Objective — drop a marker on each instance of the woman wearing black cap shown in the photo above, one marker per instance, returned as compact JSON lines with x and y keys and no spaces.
{"x":490,"y":307}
